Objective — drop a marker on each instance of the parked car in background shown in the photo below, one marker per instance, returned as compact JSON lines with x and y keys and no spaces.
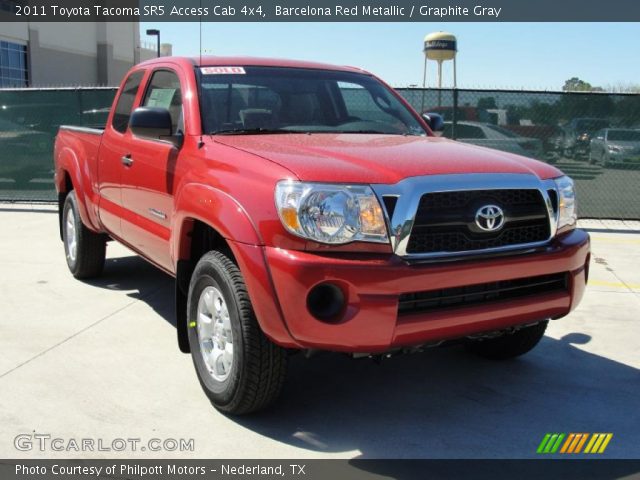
{"x":615,"y":146}
{"x":578,"y":134}
{"x":549,"y":135}
{"x":26,"y":153}
{"x":493,"y":136}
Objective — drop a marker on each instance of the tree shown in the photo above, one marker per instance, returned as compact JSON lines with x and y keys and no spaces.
{"x":574,"y":84}
{"x":594,"y":105}
{"x":486,"y":103}
{"x":622,"y":87}
{"x":542,"y":113}
{"x":628,"y":110}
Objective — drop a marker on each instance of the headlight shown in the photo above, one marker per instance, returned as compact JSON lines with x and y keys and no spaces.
{"x":567,"y":208}
{"x":613,"y":148}
{"x":334,"y":214}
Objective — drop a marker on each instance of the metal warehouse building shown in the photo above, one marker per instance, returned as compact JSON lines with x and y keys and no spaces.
{"x":39,"y":54}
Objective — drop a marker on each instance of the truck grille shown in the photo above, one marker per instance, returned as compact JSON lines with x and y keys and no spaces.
{"x":418,"y":302}
{"x":445,"y":221}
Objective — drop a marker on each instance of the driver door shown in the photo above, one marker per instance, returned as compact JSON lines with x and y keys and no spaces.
{"x":148,"y":182}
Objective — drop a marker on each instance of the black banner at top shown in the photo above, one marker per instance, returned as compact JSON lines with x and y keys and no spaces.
{"x":320,"y":11}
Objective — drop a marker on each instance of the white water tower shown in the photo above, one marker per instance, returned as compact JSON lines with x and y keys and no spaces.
{"x":440,"y":47}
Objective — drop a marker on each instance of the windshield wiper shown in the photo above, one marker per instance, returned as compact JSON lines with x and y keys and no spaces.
{"x":372,"y":132}
{"x":252,"y":131}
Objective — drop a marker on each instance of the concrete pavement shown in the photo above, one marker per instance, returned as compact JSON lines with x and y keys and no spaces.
{"x":99,"y":360}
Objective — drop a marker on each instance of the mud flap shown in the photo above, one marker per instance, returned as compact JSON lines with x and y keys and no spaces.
{"x":183,"y":275}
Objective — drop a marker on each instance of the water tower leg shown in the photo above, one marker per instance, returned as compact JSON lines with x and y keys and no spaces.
{"x":455,"y":82}
{"x":439,"y":83}
{"x":424,"y":73}
{"x":424,"y":84}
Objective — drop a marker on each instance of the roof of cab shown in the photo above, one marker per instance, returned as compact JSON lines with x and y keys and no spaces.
{"x":210,"y":60}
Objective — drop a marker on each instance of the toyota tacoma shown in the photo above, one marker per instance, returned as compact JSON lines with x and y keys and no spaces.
{"x":305,"y":207}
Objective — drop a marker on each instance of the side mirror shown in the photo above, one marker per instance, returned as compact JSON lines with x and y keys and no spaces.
{"x":435,"y":122}
{"x":155,"y":124}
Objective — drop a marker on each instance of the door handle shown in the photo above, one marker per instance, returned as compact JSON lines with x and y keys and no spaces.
{"x":126,"y":160}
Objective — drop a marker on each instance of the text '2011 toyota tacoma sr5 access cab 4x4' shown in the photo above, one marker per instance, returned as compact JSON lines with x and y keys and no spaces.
{"x":302,"y":206}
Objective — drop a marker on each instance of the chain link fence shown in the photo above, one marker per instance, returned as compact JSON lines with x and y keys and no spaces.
{"x":593,"y":137}
{"x":29,"y":121}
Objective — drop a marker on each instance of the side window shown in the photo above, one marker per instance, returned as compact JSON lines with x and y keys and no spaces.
{"x":164,"y":91}
{"x":123,"y":108}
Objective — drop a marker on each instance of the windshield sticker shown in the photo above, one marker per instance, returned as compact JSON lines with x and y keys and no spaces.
{"x":222,"y":71}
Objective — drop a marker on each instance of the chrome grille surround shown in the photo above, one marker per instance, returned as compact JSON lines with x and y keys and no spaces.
{"x":410,"y":191}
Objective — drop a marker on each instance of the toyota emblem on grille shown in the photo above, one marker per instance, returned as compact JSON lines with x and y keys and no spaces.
{"x":490,"y":218}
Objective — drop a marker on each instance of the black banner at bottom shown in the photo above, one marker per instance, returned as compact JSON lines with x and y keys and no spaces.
{"x":358,"y":469}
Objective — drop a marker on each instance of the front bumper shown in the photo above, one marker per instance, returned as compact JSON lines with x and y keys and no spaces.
{"x":373,"y":284}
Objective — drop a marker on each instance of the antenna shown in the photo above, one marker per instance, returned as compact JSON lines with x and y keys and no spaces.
{"x":200,"y":143}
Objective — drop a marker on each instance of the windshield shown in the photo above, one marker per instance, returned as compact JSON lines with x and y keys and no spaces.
{"x":624,"y":135}
{"x":294,"y":100}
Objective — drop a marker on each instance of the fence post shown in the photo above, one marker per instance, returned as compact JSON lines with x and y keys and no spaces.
{"x":454,"y":115}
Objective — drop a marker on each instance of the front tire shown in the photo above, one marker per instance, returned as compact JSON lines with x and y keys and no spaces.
{"x":85,"y":250}
{"x":509,"y":345}
{"x":239,"y":368}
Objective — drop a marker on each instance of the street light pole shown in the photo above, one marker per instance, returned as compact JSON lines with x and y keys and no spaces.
{"x":154,"y":32}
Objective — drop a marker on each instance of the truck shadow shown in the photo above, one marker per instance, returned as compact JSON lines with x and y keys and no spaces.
{"x":443,"y":403}
{"x":142,"y":281}
{"x":447,"y":403}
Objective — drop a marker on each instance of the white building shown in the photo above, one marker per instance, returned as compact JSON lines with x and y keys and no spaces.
{"x":46,"y":54}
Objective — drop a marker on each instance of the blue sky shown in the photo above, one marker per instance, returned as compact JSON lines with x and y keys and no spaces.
{"x":513,"y":55}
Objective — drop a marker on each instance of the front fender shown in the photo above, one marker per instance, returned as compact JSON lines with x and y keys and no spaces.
{"x":212,"y":207}
{"x":223,"y":213}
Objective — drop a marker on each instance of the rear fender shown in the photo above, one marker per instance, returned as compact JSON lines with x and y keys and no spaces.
{"x":68,"y":164}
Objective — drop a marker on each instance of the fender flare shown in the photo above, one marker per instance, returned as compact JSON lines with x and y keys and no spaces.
{"x":68,"y":164}
{"x":212,"y":207}
{"x":224,"y":214}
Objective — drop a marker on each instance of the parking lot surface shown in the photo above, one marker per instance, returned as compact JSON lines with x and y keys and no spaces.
{"x":99,"y":360}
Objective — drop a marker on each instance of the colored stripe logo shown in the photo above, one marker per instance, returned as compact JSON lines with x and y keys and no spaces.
{"x":574,"y":443}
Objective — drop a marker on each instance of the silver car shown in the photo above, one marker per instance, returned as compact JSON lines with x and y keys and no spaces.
{"x":493,"y":136}
{"x":615,"y":146}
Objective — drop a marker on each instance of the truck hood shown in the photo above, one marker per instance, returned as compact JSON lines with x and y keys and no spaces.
{"x":386,"y":159}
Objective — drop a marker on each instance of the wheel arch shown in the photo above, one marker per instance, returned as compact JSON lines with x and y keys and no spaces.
{"x":68,"y":177}
{"x":64,"y":188}
{"x":205,"y":219}
{"x":208,"y":219}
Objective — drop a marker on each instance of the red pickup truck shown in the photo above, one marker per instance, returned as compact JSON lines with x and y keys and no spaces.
{"x":304,"y":207}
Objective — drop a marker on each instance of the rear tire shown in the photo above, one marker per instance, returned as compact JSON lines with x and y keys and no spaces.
{"x":85,"y":250}
{"x":219,"y":313}
{"x":509,"y":345}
